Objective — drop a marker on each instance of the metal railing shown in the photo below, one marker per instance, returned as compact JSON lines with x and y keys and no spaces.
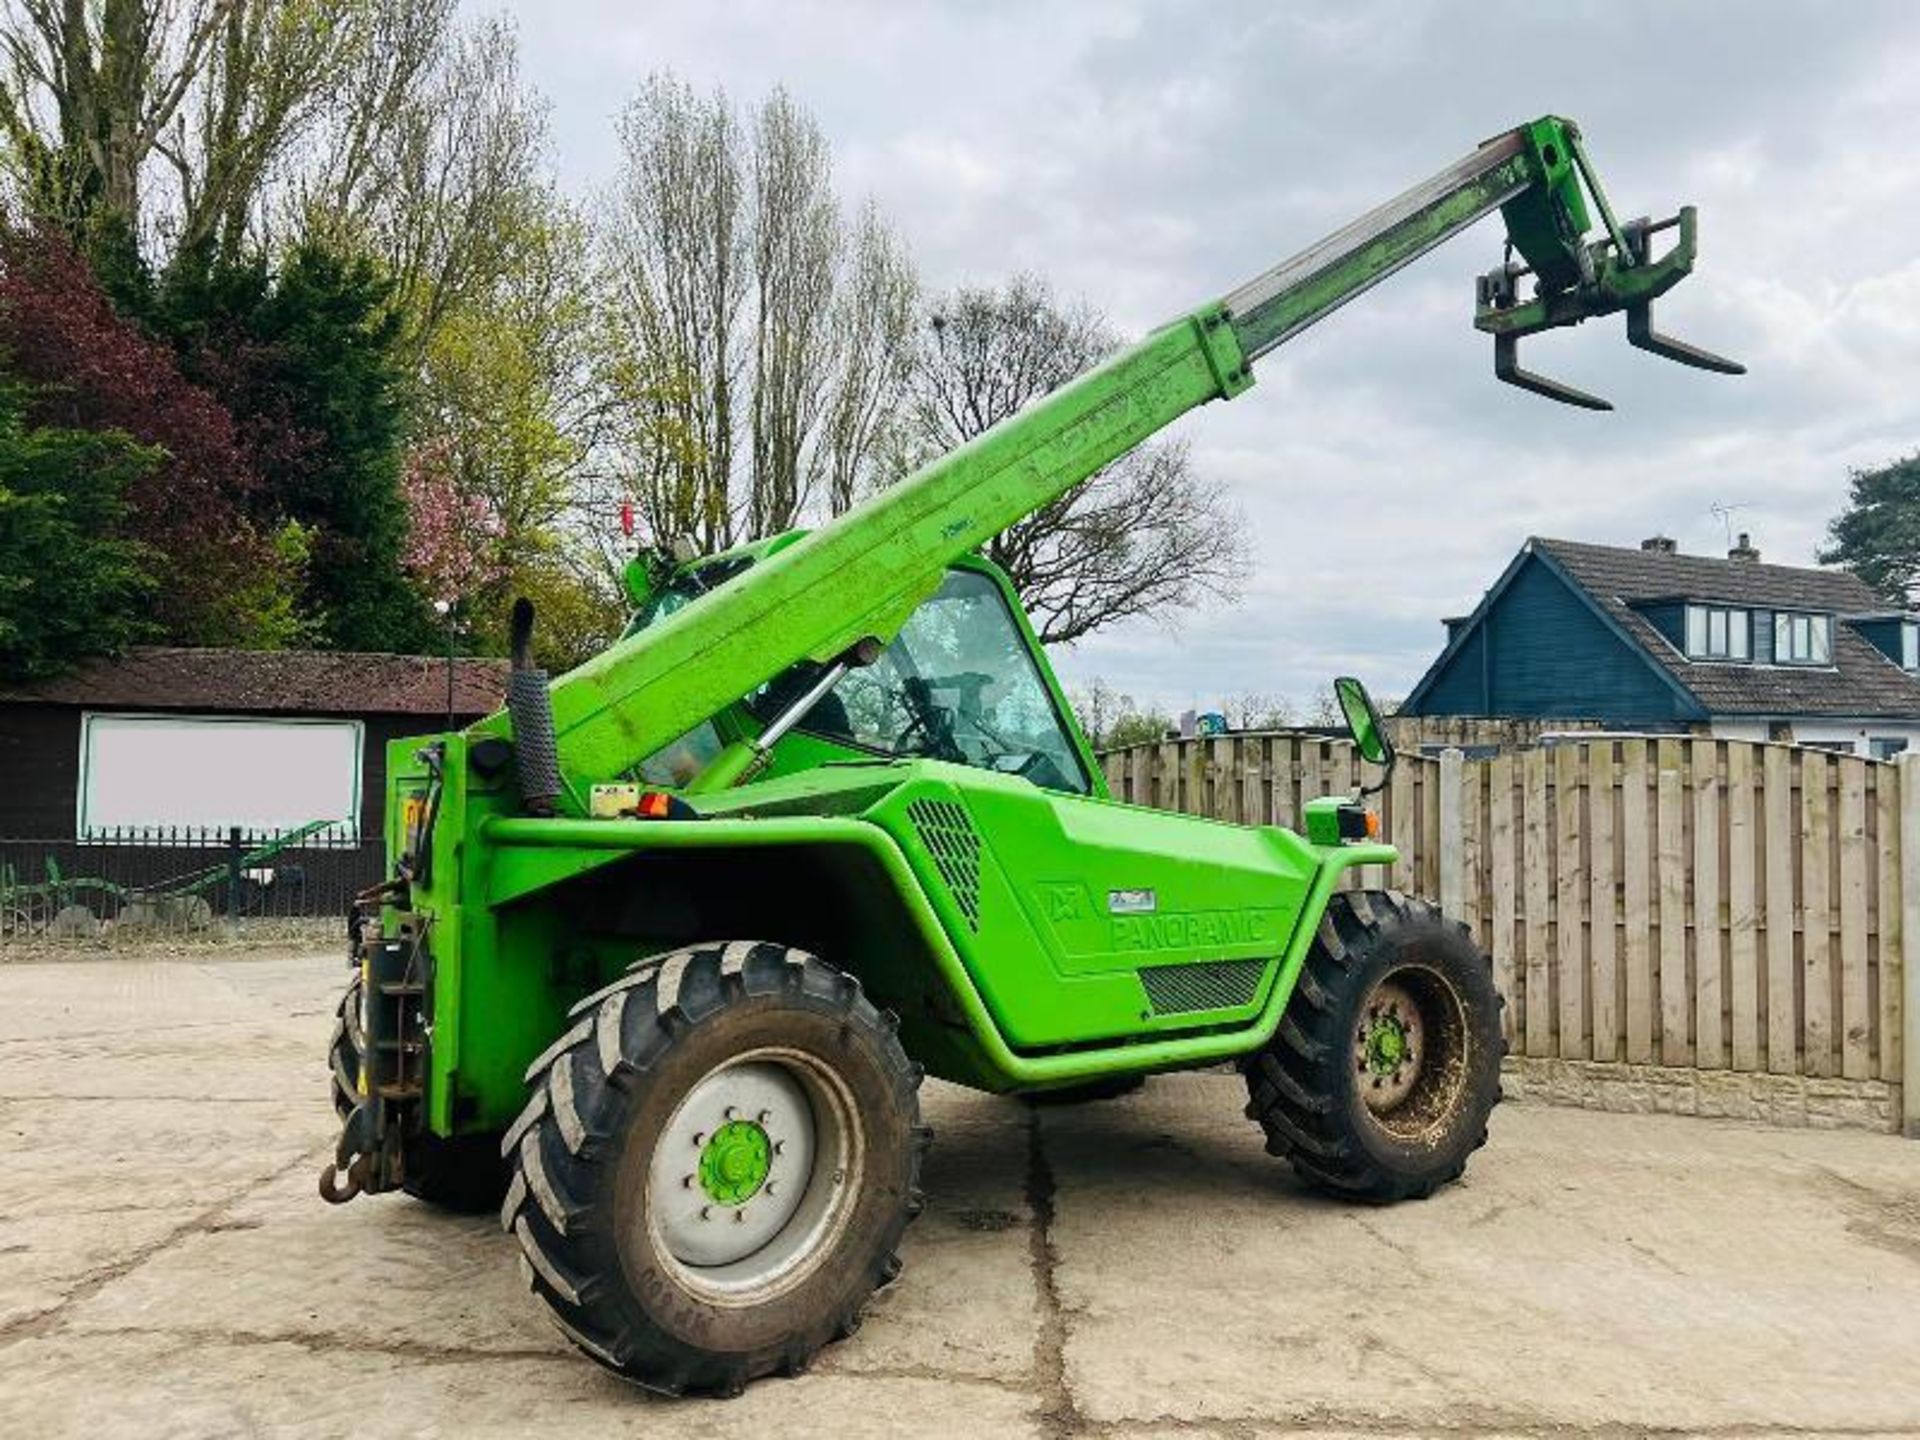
{"x":173,"y":883}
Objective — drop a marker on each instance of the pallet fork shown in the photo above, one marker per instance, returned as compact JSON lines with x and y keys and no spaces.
{"x":1578,"y":282}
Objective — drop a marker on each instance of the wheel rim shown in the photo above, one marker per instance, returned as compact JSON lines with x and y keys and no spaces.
{"x":1410,"y":1044}
{"x":754,"y":1176}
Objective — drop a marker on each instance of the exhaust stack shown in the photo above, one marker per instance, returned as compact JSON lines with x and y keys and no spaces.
{"x":530,"y":706}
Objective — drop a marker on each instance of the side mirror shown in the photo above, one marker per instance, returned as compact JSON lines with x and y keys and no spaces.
{"x":1369,"y":731}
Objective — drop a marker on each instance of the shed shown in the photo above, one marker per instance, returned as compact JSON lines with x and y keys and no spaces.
{"x":170,"y":737}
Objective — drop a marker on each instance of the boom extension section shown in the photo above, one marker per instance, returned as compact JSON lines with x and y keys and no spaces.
{"x":1539,"y":178}
{"x":863,"y":573}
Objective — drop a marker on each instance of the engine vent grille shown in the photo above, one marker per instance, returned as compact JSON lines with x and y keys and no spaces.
{"x":1211,"y":985}
{"x":950,"y":838}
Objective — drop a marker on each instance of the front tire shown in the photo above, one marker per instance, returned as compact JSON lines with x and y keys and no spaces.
{"x":1379,"y":1081}
{"x":716,"y":1166}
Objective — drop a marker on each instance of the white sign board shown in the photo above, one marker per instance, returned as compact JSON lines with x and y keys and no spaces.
{"x":209,"y":772}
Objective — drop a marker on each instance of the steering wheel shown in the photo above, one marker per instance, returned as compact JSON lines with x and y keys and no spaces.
{"x":929,"y":721}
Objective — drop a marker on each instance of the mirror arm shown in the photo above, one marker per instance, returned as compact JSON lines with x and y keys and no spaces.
{"x":1386,"y":774}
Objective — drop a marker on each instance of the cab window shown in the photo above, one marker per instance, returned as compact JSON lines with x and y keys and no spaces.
{"x":958,"y":683}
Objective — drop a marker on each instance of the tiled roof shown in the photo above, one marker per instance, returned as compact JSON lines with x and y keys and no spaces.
{"x":1862,"y":681}
{"x":325,"y":682}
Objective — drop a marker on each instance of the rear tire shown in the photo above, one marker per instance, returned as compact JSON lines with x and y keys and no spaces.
{"x":716,"y":1166}
{"x":462,"y":1173}
{"x":1379,"y":1081}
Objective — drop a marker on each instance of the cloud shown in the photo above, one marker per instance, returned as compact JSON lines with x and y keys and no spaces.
{"x":1149,"y":156}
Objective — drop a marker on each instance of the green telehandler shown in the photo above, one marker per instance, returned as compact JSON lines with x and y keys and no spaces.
{"x":667,"y":946}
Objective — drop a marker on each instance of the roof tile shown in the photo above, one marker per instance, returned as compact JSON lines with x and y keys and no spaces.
{"x":326,"y":682}
{"x":1861,"y":681}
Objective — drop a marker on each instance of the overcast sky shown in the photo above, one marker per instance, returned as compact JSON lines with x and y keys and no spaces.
{"x":1150,"y":156}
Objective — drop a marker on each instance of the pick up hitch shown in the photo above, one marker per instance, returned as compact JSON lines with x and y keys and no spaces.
{"x":1617,"y":272}
{"x":352,"y":1158}
{"x":393,"y":993}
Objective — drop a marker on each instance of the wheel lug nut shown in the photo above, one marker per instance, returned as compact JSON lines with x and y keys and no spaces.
{"x":740,"y":1216}
{"x":688,"y":1182}
{"x":764,"y":1116}
{"x":699,"y":1138}
{"x":706,"y":1212}
{"x":779,"y":1147}
{"x":731,"y":1113}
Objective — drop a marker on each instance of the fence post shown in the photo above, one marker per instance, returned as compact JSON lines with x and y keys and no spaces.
{"x":1453,"y":834}
{"x":1908,"y":769}
{"x":233,"y":880}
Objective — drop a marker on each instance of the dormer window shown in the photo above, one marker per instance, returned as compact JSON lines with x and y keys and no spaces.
{"x":1717,"y":633}
{"x":1802,"y":639}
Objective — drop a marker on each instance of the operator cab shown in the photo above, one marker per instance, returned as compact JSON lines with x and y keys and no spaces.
{"x":961,"y":682}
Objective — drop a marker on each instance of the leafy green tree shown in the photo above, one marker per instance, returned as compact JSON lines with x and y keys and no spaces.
{"x":1877,"y":536}
{"x":70,"y":585}
{"x":305,"y":356}
{"x":1112,"y":720}
{"x":581,"y":613}
{"x":336,"y":338}
{"x":85,"y":366}
{"x":504,"y":395}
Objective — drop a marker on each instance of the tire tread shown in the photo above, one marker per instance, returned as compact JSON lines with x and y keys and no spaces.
{"x":1291,"y":1082}
{"x":581,"y":1081}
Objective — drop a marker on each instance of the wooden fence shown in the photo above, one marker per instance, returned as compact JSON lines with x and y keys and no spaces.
{"x":1701,"y":903}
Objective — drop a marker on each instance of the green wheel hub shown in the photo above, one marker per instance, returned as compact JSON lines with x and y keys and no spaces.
{"x":734,"y":1164}
{"x":1389,"y":1044}
{"x":1386,"y":1045}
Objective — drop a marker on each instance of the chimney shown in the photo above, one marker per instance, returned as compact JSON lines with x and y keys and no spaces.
{"x":1660,"y":545}
{"x":1744,"y":550}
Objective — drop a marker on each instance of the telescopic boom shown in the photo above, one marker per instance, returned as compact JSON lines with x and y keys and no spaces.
{"x":859,"y":576}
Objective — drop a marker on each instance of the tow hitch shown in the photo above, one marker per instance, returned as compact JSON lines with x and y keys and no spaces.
{"x":392,"y":1002}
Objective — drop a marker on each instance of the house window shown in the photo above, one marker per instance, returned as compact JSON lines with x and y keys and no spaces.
{"x":211,"y":772}
{"x":1802,"y":639}
{"x":1832,"y":747}
{"x":1716,"y":633}
{"x":1885,"y":747}
{"x":1910,"y":645}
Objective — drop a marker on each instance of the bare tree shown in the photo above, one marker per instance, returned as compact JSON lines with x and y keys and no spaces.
{"x":677,"y":241}
{"x":873,"y":342}
{"x":271,"y":71}
{"x":430,"y":154}
{"x":1111,"y":719}
{"x":352,"y":165}
{"x":796,"y":232}
{"x":754,"y":347}
{"x":1323,"y":709}
{"x":90,"y":89}
{"x":1258,"y":710}
{"x":1144,"y":536}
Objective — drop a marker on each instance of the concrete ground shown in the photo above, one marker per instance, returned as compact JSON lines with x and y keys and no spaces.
{"x":1135,"y":1268}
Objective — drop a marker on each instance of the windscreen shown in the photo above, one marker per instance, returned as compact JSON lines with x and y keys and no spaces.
{"x":958,"y":683}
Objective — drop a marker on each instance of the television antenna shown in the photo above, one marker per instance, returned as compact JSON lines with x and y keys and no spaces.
{"x":1726,"y":512}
